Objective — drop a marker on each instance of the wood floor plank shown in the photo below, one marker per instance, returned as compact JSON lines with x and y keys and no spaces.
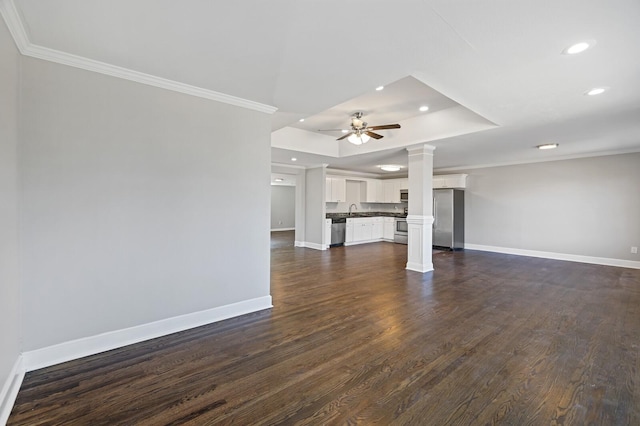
{"x":354,"y":338}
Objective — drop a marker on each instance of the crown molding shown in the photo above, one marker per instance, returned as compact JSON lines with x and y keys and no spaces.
{"x":542,"y":160}
{"x":14,"y":24}
{"x":16,"y":28}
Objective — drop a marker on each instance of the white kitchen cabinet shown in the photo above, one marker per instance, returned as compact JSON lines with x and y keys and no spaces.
{"x":391,"y":189}
{"x":362,"y":230}
{"x":376,"y":230}
{"x":336,"y":190}
{"x":348,"y":238}
{"x":450,"y":181}
{"x":327,"y":232}
{"x":368,"y":230}
{"x":373,"y":191}
{"x":388,"y":190}
{"x":403,"y":184}
{"x":388,"y":228}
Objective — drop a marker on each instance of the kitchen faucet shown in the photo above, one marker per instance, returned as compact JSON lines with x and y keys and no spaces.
{"x":352,"y":205}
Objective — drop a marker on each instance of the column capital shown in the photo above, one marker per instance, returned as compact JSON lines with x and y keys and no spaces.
{"x":421,"y":149}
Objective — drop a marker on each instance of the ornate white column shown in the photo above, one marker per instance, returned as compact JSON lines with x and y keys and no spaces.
{"x":420,"y":215}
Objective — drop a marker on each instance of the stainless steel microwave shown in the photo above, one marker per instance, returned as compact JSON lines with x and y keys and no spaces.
{"x":404,"y":195}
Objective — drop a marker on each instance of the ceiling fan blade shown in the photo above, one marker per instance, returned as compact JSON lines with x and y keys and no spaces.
{"x":345,"y":136}
{"x":373,"y":135}
{"x":330,"y":130}
{"x":386,"y":126}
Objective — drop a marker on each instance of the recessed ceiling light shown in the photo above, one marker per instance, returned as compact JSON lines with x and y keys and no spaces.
{"x":301,"y":120}
{"x":548,"y":146}
{"x":390,"y":167}
{"x":344,"y":131}
{"x":279,"y":180}
{"x":379,"y":88}
{"x":294,"y":159}
{"x":578,"y":47}
{"x":596,"y":91}
{"x":423,"y":108}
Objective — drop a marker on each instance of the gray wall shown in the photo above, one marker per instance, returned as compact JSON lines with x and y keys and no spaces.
{"x":588,"y":206}
{"x":9,"y":271}
{"x":131,"y":206}
{"x":283,"y":207}
{"x":314,"y":205}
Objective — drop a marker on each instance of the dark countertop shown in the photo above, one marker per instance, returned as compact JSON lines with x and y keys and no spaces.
{"x":339,"y":217}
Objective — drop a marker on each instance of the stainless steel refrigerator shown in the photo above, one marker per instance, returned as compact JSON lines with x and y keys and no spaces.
{"x":448,"y":218}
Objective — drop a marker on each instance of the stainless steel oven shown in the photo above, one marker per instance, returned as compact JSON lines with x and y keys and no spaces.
{"x":400,"y":235}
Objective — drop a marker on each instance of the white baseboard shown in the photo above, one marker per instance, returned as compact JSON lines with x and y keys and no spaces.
{"x":283,"y":229}
{"x":355,"y":243}
{"x":557,"y":256}
{"x":419,"y":267}
{"x":314,"y":246}
{"x":92,"y":345}
{"x":10,"y":390}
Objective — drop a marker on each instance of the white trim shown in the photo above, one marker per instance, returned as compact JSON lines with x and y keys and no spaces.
{"x":92,"y":345}
{"x":418,"y":267}
{"x":541,"y":160}
{"x":14,"y":24}
{"x":315,"y":246}
{"x":416,"y":219}
{"x":283,"y":229}
{"x":421,"y":150}
{"x":558,"y":256}
{"x":17,"y":30}
{"x":10,"y":390}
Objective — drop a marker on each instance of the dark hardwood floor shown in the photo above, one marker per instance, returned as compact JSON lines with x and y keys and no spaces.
{"x":354,"y":338}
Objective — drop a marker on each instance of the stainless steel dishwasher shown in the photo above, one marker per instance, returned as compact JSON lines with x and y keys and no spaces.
{"x":338,"y":230}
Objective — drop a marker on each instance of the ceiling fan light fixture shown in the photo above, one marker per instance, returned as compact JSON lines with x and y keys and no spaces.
{"x":358,"y":139}
{"x":390,"y":167}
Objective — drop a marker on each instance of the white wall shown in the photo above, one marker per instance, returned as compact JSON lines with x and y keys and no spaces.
{"x":9,"y":268}
{"x":283,"y":207}
{"x":133,"y":202}
{"x":585,"y":207}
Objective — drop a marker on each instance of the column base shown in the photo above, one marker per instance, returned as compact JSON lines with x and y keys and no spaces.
{"x":419,"y":247}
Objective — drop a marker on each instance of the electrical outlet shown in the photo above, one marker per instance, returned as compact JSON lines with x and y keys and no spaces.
{"x":634,"y":250}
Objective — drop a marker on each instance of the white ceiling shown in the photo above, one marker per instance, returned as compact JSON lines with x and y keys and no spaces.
{"x":499,"y":59}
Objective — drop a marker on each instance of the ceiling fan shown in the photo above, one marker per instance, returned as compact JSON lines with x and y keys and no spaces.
{"x":361,"y":132}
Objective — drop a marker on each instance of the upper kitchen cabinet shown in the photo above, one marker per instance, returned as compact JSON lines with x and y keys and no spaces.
{"x":391,"y":189}
{"x":373,"y":193}
{"x":336,"y":190}
{"x":450,"y":181}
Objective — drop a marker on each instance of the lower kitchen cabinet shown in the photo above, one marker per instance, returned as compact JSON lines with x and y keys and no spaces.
{"x":327,"y":232}
{"x":376,"y":231}
{"x":348,"y":237}
{"x":368,"y":230}
{"x":388,"y":228}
